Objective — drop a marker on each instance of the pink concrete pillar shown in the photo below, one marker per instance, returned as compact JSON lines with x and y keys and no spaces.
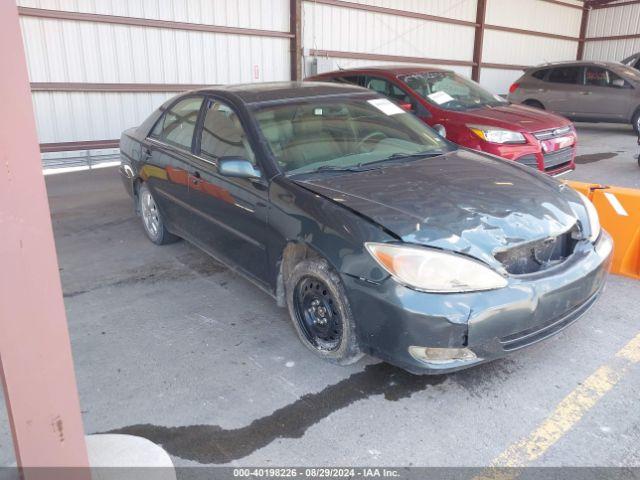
{"x":35,"y":353}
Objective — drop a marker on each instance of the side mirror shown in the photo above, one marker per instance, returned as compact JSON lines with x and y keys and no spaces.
{"x":441,"y":130}
{"x":237,"y":167}
{"x":618,"y":83}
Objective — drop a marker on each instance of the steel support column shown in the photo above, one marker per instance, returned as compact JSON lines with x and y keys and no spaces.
{"x":35,"y":354}
{"x":295,"y":18}
{"x":584,"y":24}
{"x":481,"y":13}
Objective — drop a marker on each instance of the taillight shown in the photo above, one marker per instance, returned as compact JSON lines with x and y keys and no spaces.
{"x":513,"y":87}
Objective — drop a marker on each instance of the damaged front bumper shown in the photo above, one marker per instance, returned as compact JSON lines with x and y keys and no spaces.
{"x":392,"y":319}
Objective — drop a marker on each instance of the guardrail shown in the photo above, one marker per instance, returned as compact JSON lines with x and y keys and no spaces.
{"x":619,"y":211}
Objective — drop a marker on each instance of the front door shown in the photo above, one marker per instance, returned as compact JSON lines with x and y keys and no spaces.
{"x":605,"y":95}
{"x":231,"y":213}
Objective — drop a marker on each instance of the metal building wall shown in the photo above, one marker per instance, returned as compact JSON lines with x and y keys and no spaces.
{"x":334,"y":31}
{"x":560,"y":22}
{"x":517,"y":34}
{"x":611,"y":22}
{"x":64,"y":56}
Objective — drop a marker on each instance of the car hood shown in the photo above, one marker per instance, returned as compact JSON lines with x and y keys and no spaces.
{"x":515,"y":116}
{"x":462,"y":201}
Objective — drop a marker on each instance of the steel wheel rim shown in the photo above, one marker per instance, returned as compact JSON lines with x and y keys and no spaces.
{"x":317,"y":314}
{"x":150,"y":213}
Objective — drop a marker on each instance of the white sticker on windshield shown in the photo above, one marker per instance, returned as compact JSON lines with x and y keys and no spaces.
{"x":440,"y":97}
{"x":385,"y":106}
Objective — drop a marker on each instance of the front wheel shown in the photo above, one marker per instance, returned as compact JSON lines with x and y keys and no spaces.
{"x":636,"y":121}
{"x":320,"y":312}
{"x":152,"y":218}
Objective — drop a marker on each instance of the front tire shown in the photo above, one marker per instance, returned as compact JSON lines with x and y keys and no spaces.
{"x":152,"y":220}
{"x":636,"y":121}
{"x":320,"y":312}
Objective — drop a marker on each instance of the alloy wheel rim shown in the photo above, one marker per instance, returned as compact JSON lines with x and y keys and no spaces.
{"x":150,"y":213}
{"x":317,"y":314}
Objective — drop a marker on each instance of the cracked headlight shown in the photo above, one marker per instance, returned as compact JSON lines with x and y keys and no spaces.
{"x":434,"y":270}
{"x":496,"y":135}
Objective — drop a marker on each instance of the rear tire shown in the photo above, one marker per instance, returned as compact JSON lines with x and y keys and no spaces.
{"x":320,"y":312}
{"x":534,"y":104}
{"x":152,"y":221}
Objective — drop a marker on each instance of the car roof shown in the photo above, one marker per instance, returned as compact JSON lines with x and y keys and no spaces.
{"x":576,"y":63}
{"x":251,"y":93}
{"x":392,"y":69}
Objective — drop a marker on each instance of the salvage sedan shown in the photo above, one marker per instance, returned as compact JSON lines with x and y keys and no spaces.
{"x":378,"y":235}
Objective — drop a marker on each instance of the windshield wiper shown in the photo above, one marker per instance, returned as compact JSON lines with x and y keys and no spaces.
{"x":333,"y":168}
{"x":401,"y":156}
{"x":361,"y":167}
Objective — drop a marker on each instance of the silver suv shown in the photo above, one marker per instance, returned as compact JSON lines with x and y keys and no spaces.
{"x":582,"y":91}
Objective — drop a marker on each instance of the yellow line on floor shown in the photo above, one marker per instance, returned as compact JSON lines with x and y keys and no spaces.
{"x":567,"y":414}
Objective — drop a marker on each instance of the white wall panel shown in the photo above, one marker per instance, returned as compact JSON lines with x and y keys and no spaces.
{"x":260,"y":14}
{"x":534,"y":15}
{"x":520,"y":49}
{"x":458,"y":9}
{"x":328,"y":27}
{"x":614,"y":21}
{"x":70,"y":51}
{"x":611,"y":50}
{"x":498,"y":81}
{"x":606,"y":22}
{"x":70,"y":116}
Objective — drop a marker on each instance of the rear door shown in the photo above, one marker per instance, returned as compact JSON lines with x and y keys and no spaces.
{"x":563,"y":90}
{"x":230,"y":213}
{"x":168,"y":150}
{"x":605,"y":95}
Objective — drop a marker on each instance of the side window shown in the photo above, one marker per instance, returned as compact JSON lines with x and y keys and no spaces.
{"x":615,"y":81}
{"x":601,"y":77}
{"x":378,"y":85}
{"x":564,"y":75}
{"x":540,"y":74}
{"x":353,"y":79}
{"x":398,"y":94}
{"x":177,"y":125}
{"x":223,"y":134}
{"x":596,"y":76}
{"x":388,"y":89}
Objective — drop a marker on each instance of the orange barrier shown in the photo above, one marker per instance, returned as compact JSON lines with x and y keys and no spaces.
{"x":619,"y":211}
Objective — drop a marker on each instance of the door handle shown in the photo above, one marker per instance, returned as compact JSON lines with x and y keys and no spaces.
{"x":585,"y":93}
{"x":195,"y":178}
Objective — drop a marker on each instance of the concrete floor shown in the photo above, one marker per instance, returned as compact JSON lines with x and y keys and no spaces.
{"x":170,"y":345}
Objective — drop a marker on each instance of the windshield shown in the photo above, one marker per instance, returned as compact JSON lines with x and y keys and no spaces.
{"x":344,"y":133}
{"x":450,"y":91}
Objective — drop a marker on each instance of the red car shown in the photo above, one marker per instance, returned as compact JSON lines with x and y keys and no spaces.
{"x":471,"y":116}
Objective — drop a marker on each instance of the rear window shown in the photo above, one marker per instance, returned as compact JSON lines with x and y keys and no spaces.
{"x":564,"y":75}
